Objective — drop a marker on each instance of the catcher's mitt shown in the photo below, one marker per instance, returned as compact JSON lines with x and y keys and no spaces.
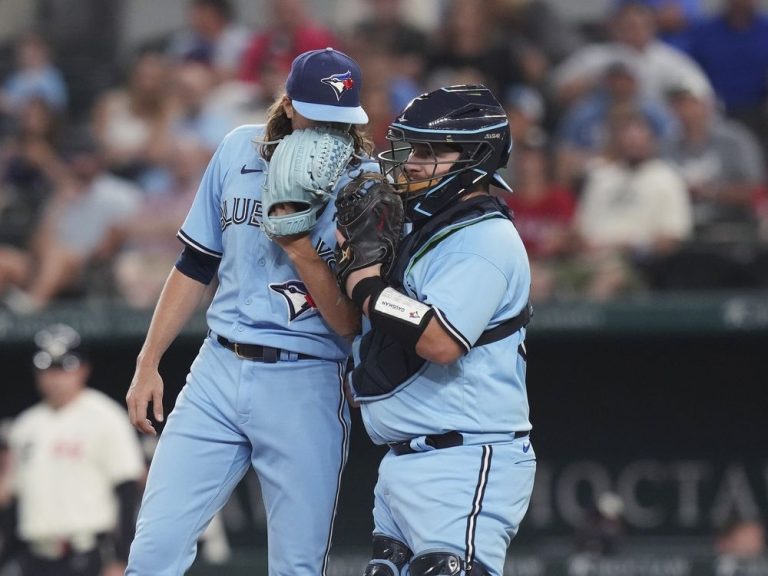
{"x":302,"y":173}
{"x":369,"y":214}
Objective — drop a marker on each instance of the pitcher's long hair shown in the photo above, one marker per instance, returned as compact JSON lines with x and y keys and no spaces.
{"x":279,"y":125}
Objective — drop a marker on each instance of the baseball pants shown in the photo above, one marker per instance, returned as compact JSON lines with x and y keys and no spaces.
{"x":289,"y":420}
{"x":468,"y":499}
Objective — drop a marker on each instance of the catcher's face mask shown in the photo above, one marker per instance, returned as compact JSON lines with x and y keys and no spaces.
{"x":419,"y":169}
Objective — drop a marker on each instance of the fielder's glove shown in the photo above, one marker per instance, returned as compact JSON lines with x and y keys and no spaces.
{"x":369,"y":214}
{"x":304,"y":168}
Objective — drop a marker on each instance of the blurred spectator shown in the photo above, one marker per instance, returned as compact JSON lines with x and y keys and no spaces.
{"x":73,"y":232}
{"x":468,"y":49}
{"x":34,"y":77}
{"x":74,"y":472}
{"x":385,"y":88}
{"x":387,"y":45}
{"x":378,"y":105}
{"x":657,"y":64}
{"x":634,"y":209}
{"x":583,"y":130}
{"x":291,"y":32}
{"x":526,"y":112}
{"x":132,"y":122}
{"x":85,"y":36}
{"x":194,"y":85}
{"x":740,"y":549}
{"x":732,"y":48}
{"x":542,"y":212}
{"x":761,"y":209}
{"x":674,"y":19}
{"x":249,"y":103}
{"x":721,"y":163}
{"x":386,"y":29}
{"x":602,"y":529}
{"x":29,"y":164}
{"x":741,"y":539}
{"x":539,"y":38}
{"x":213,"y":37}
{"x":149,"y":237}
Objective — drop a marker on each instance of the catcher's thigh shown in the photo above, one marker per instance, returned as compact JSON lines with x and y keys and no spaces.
{"x":468,"y":500}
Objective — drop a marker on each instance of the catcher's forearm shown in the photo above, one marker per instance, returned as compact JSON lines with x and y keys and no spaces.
{"x":335,"y":308}
{"x":385,"y":307}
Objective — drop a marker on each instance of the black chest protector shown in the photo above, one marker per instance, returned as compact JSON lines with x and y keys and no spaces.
{"x":385,"y":364}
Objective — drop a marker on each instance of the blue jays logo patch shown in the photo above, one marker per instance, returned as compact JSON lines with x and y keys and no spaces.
{"x":296,"y":298}
{"x":340,"y":83}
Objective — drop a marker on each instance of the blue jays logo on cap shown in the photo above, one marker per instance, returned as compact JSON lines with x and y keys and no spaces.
{"x":313,"y":73}
{"x":340,"y":83}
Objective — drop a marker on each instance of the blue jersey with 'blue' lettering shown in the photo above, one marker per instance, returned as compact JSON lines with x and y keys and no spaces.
{"x":476,"y":278}
{"x":260,"y":298}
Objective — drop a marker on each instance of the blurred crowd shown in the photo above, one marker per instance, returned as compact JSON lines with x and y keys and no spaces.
{"x":639,"y":141}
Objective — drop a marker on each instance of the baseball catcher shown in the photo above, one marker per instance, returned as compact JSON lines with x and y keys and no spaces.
{"x":369,"y":214}
{"x":302,"y":173}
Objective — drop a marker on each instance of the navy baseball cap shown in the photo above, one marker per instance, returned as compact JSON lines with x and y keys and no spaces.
{"x":324,"y":85}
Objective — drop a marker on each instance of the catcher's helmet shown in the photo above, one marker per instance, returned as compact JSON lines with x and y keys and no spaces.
{"x":468,"y":118}
{"x":58,"y":346}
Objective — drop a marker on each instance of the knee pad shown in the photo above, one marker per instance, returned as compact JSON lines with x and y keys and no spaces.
{"x":390,"y":556}
{"x":445,"y":564}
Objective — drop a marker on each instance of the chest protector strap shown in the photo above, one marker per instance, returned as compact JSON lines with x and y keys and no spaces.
{"x":386,"y":364}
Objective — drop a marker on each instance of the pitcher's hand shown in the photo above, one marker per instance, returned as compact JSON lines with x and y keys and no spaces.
{"x":146,"y":387}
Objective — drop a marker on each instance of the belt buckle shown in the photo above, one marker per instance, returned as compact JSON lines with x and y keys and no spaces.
{"x":237,"y":352}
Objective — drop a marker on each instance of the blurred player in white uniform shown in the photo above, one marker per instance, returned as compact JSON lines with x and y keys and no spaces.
{"x":75,"y":468}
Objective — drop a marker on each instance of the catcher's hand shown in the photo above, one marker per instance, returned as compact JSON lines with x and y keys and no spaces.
{"x":369,"y":215}
{"x":304,"y":168}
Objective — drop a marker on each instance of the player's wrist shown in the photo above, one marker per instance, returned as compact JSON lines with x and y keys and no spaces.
{"x":364,"y":285}
{"x":297,"y":247}
{"x":147,"y":360}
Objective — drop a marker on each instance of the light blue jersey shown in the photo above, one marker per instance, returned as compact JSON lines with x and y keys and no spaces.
{"x":466,"y":499}
{"x":484,"y":391}
{"x":260,"y":298}
{"x":288,"y":420}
